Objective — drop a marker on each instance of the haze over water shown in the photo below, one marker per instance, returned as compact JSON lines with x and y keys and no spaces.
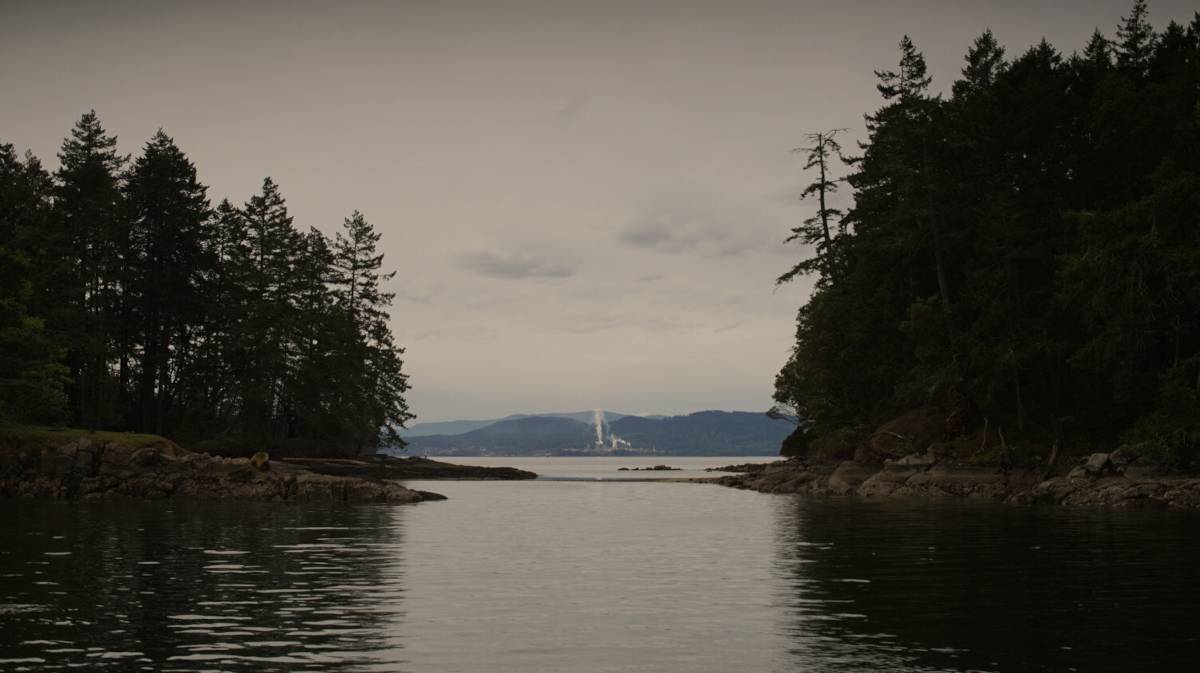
{"x":547,"y":576}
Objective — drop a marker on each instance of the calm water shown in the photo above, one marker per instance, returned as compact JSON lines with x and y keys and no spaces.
{"x":573,"y":575}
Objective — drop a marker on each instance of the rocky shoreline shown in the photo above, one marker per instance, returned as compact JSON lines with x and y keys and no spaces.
{"x":1100,"y":480}
{"x":382,"y":466}
{"x":85,"y":466}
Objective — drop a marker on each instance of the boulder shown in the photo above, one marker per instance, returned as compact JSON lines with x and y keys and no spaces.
{"x":1097,"y":464}
{"x":1124,"y":455}
{"x":848,"y":476}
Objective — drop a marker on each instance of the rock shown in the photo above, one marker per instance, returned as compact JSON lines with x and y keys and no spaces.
{"x":1097,"y":464}
{"x":1081,"y":488}
{"x":61,"y":468}
{"x":743,"y":467}
{"x":912,"y":460}
{"x":382,"y":466}
{"x":1124,"y":455}
{"x":848,"y":476}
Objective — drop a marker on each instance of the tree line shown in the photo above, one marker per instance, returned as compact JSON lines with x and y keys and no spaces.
{"x":129,"y":302}
{"x":1023,"y":252}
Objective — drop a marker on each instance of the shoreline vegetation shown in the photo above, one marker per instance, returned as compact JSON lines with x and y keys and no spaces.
{"x":130,"y":302}
{"x":1011,"y":291}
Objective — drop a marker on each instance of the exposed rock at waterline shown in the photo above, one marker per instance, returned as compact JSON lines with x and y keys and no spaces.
{"x":1097,"y":482}
{"x":81,"y":467}
{"x":382,"y":466}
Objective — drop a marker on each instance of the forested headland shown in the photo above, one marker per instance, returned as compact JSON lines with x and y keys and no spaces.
{"x":128,"y":301}
{"x":1018,"y":269}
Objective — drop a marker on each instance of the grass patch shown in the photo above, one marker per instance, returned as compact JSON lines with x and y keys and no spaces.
{"x":40,"y":435}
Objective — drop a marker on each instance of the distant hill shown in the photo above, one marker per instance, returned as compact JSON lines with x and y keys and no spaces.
{"x":535,"y":435}
{"x":731,"y":433}
{"x":459,"y":427}
{"x":719,"y":433}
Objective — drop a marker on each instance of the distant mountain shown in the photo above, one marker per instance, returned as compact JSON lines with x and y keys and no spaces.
{"x":731,"y":433}
{"x":445,"y":427}
{"x":459,"y":427}
{"x":534,"y":435}
{"x":716,"y":433}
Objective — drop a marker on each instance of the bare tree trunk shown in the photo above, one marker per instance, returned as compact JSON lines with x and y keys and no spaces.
{"x":1017,"y":384}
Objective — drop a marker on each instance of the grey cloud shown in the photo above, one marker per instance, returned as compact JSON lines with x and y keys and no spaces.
{"x":517,"y":266}
{"x":719,"y":232}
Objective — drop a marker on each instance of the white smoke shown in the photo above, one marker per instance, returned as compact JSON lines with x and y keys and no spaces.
{"x":598,"y":420}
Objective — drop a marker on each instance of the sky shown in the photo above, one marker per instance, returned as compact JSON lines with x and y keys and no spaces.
{"x":585,"y":202}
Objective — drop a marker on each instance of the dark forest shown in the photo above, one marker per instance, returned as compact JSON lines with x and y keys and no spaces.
{"x":129,"y":302}
{"x":1021,"y":259}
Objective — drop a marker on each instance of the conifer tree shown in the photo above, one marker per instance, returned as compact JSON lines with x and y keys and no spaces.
{"x":825,"y":226}
{"x":273,"y":245}
{"x":168,"y":215}
{"x":87,"y":248}
{"x":357,"y":282}
{"x":1064,"y":197}
{"x":32,"y":378}
{"x":1135,"y":39}
{"x":222,"y":356}
{"x":317,"y":372}
{"x":985,"y":62}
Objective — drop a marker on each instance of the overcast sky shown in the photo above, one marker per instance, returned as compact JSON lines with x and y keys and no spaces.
{"x":585,"y":201}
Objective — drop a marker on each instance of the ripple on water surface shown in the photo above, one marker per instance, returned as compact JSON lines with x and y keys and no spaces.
{"x":162,"y":579}
{"x":583,"y":577}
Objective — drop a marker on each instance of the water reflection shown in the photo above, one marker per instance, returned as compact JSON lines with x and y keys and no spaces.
{"x":231,"y":587}
{"x":547,"y":577}
{"x":920,"y":586}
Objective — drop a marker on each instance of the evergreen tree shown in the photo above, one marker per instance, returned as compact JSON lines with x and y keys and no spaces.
{"x":168,"y":215}
{"x":1054,"y":201}
{"x":221,"y":346}
{"x":316,"y":377}
{"x":1135,"y":39}
{"x":377,"y":379}
{"x":32,"y":379}
{"x":273,"y":245}
{"x":224,"y":328}
{"x":819,"y":230}
{"x":86,"y":251}
{"x":985,"y":62}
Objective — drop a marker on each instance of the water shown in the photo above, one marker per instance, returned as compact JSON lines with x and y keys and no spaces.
{"x":573,"y":575}
{"x":604,"y":468}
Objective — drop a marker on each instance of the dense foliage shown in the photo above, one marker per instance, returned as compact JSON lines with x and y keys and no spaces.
{"x":1024,"y":252}
{"x":128,"y":302}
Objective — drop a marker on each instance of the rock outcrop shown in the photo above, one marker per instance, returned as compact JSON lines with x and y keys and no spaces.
{"x":82,"y":467}
{"x":413,"y":467}
{"x":1116,"y":480}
